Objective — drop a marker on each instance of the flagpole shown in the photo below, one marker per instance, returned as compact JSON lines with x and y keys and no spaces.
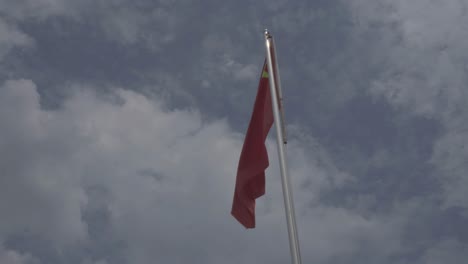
{"x":276,"y":94}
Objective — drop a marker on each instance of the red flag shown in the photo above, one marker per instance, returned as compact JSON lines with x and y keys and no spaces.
{"x":250,"y":181}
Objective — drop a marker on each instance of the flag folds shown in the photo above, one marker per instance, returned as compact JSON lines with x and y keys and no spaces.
{"x":250,"y":180}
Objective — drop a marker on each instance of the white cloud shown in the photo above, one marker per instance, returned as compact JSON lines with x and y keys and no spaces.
{"x":166,"y":176}
{"x":169,"y":181}
{"x":424,"y":73}
{"x":10,"y":37}
{"x":13,"y":257}
{"x":39,"y":193}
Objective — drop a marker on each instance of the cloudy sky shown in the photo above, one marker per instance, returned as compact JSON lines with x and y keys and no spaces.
{"x":121,"y":124}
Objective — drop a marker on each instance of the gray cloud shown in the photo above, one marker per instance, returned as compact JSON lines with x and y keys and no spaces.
{"x":425,"y":74}
{"x":12,"y":257}
{"x":93,"y":173}
{"x":123,"y":23}
{"x":447,"y":251}
{"x":40,"y":9}
{"x":11,"y":37}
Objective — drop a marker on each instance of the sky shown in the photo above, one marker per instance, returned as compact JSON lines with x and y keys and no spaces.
{"x":121,"y":125}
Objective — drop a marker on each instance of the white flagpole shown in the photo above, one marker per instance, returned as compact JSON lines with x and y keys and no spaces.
{"x":276,"y":95}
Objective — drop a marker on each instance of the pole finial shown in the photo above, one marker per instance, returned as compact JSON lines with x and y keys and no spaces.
{"x":267,"y":33}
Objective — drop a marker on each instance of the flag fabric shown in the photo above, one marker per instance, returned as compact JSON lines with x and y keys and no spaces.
{"x":250,"y":180}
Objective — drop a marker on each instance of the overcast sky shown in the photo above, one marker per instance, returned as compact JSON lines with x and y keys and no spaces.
{"x":121,"y":124}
